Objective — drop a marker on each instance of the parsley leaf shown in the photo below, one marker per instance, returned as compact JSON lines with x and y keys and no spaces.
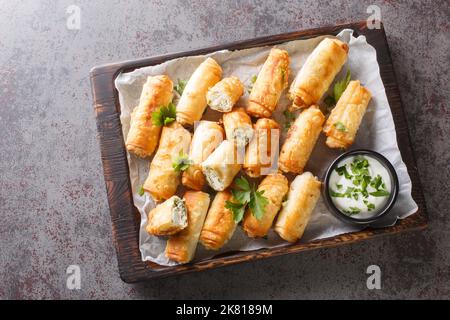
{"x":340,"y":86}
{"x":258,"y":204}
{"x":340,"y":126}
{"x":141,"y":191}
{"x":238,"y":210}
{"x":252,"y":82}
{"x":380,"y":193}
{"x":289,"y":116}
{"x":376,"y":182}
{"x":179,"y":87}
{"x":338,"y":90}
{"x":181,"y":162}
{"x":343,"y":171}
{"x":164,"y":115}
{"x":245,"y":194}
{"x":352,"y":210}
{"x":370,"y":206}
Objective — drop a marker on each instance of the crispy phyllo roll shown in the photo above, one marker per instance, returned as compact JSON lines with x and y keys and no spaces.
{"x":163,"y":179}
{"x":224,"y":95}
{"x":316,"y":75}
{"x":262,"y":151}
{"x":300,"y":141}
{"x":143,"y":136}
{"x":167,"y":218}
{"x":193,"y":100}
{"x":219,"y":224}
{"x":275,"y":187}
{"x":345,"y":118}
{"x":238,"y":126}
{"x":221,"y":166}
{"x":207,"y":136}
{"x":302,"y":198}
{"x":181,"y":246}
{"x":270,"y":83}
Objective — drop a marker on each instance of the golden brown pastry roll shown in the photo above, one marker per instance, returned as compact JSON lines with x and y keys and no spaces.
{"x":345,"y":118}
{"x":270,"y":83}
{"x":302,"y":198}
{"x":193,"y":100}
{"x":224,"y":95}
{"x":207,"y":136}
{"x":319,"y":70}
{"x":259,"y":157}
{"x":143,"y":136}
{"x":163,"y":180}
{"x":275,"y":187}
{"x":219,"y":225}
{"x":300,"y":141}
{"x":181,"y":246}
{"x":167,"y":218}
{"x":238,"y":126}
{"x":221,"y":166}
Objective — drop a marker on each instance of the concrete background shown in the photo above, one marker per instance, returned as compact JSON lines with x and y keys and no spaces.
{"x":52,"y":195}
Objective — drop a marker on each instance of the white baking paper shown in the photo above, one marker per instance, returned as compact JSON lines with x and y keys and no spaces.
{"x":377,"y":132}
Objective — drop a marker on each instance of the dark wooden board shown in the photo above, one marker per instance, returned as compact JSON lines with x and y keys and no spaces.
{"x":125,"y":217}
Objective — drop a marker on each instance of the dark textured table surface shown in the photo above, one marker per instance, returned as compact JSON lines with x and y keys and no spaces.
{"x":53,"y":208}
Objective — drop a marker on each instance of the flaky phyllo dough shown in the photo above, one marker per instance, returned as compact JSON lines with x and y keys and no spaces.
{"x":316,"y":75}
{"x":270,"y":83}
{"x":345,"y":118}
{"x":143,"y":136}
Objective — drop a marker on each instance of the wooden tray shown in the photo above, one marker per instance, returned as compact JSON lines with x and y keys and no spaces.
{"x":125,"y":217}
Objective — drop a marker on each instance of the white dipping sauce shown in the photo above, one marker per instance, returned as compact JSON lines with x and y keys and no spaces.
{"x":354,"y":197}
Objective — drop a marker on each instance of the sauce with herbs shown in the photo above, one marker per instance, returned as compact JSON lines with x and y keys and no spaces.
{"x":360,"y":186}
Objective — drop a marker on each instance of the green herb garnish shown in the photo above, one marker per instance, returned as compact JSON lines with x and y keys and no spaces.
{"x":141,"y":191}
{"x":343,"y":171}
{"x":376,"y":182}
{"x":181,"y":162}
{"x":352,"y":210}
{"x":164,"y":115}
{"x":339,"y":186}
{"x":283,"y":74}
{"x":252,"y":82}
{"x":245,"y":194}
{"x":370,"y":206}
{"x":179,"y":87}
{"x":289,"y":116}
{"x":379,"y":193}
{"x":340,"y":126}
{"x":338,"y":90}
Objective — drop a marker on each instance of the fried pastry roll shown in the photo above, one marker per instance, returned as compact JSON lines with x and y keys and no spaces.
{"x":345,"y":118}
{"x":219,"y":224}
{"x":300,"y":141}
{"x":270,"y":83}
{"x":163,"y":180}
{"x":207,"y":136}
{"x":167,"y":218}
{"x":193,"y":100}
{"x":262,"y":150}
{"x":316,"y":75}
{"x":221,"y":166}
{"x":181,"y":246}
{"x":238,"y":126}
{"x":224,"y":95}
{"x":143,"y":136}
{"x":302,"y":198}
{"x":275,"y":187}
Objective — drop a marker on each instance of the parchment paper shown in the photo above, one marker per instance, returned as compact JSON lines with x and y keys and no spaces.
{"x":377,"y":132}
